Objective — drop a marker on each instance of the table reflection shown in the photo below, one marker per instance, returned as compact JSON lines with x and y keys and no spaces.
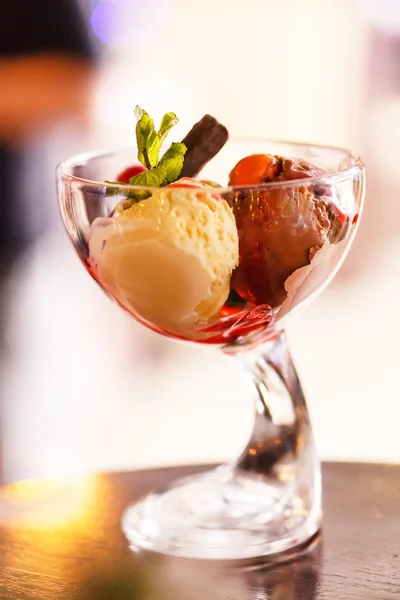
{"x":179,"y":579}
{"x":67,"y":532}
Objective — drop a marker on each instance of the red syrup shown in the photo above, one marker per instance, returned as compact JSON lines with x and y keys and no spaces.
{"x":236,"y":322}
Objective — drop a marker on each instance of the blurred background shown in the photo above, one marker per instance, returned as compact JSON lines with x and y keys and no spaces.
{"x":82,"y":386}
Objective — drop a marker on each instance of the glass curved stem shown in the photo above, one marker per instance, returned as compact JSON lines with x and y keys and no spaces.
{"x":264,"y":504}
{"x":282,"y":432}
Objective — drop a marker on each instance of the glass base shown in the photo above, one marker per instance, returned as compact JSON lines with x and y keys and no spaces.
{"x":223,"y":515}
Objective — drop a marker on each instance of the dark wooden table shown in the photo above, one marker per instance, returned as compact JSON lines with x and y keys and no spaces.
{"x":63,"y":541}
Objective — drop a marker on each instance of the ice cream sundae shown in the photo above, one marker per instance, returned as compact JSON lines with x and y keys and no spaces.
{"x":201,"y":261}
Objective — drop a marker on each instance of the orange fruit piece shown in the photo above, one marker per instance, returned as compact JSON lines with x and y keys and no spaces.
{"x":255,"y":169}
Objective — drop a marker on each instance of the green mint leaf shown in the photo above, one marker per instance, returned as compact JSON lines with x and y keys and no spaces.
{"x":167,"y":123}
{"x":172,"y":161}
{"x":148,"y":141}
{"x":129,"y":195}
{"x":111,"y":191}
{"x":151,"y":178}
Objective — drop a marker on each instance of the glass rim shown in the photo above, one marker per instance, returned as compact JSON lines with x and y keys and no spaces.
{"x":338,"y":176}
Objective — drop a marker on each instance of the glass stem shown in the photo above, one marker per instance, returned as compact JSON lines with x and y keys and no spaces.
{"x":282,"y":434}
{"x":267,"y":502}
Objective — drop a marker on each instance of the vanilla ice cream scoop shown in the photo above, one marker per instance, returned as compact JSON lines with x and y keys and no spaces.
{"x":168,"y":259}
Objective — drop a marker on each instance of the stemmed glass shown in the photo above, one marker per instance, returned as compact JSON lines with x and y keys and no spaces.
{"x":267,"y":503}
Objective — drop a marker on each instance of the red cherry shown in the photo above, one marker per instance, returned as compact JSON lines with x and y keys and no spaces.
{"x":129,"y":172}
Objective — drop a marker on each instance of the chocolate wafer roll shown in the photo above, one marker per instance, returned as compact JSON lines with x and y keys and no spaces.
{"x":203,"y":142}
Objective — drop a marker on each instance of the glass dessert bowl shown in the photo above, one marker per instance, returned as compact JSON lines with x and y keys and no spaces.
{"x":224,"y":267}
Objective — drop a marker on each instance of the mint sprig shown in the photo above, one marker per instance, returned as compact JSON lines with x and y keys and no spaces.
{"x":162,"y":171}
{"x":172,"y":162}
{"x":153,"y":177}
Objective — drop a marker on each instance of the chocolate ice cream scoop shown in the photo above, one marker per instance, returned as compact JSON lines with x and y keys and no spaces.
{"x":280,"y":229}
